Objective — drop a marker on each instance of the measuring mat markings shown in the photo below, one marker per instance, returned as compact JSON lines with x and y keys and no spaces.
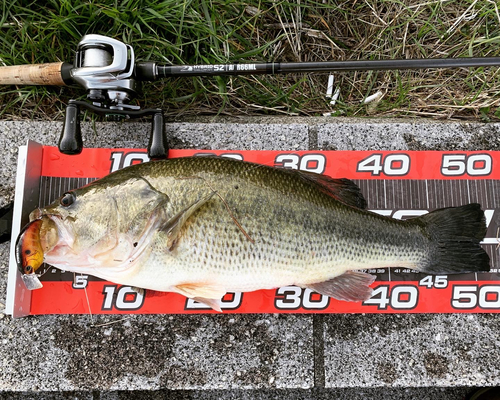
{"x":307,"y":251}
{"x":404,"y":185}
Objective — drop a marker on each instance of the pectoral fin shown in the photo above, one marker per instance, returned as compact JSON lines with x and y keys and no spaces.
{"x":138,"y":290}
{"x":200,"y":289}
{"x":350,"y":286}
{"x":173,"y":226}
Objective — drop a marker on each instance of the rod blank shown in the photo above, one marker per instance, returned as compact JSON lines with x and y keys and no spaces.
{"x":326,"y":66}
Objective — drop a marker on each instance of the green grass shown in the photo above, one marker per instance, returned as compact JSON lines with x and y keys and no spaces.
{"x":219,"y":31}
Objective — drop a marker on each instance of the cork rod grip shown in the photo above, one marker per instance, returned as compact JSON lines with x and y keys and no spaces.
{"x":35,"y":74}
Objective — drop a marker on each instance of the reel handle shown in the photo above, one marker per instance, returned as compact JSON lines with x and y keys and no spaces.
{"x":71,"y":141}
{"x":157,"y":147}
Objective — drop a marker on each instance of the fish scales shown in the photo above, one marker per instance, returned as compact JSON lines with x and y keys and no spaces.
{"x":293,"y":227}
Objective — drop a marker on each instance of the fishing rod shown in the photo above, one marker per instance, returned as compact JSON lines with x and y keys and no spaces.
{"x":107,"y":69}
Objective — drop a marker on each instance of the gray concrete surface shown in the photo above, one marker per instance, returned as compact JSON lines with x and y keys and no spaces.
{"x":249,"y":356}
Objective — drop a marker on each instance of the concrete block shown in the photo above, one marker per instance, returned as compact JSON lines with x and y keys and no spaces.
{"x":149,"y":352}
{"x":297,"y":394}
{"x":412,"y":350}
{"x":248,"y":356}
{"x":371,"y":134}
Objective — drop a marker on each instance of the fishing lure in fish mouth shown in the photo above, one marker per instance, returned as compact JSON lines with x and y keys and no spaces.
{"x":31,"y":243}
{"x":29,"y":253}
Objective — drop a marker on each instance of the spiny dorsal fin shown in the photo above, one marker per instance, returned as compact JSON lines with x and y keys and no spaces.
{"x":341,"y":189}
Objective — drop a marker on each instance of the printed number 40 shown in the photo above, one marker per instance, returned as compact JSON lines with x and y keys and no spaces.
{"x":391,"y":165}
{"x":402,"y":297}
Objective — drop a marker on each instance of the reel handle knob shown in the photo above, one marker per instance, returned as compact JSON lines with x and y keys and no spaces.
{"x":157,"y":147}
{"x":71,"y":141}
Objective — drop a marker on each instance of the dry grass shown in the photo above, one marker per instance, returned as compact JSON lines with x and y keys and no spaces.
{"x":224,"y":31}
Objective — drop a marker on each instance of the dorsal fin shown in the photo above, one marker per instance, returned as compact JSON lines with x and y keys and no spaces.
{"x":340,"y":189}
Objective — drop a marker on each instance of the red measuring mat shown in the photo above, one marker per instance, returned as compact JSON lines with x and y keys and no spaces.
{"x":400,"y":184}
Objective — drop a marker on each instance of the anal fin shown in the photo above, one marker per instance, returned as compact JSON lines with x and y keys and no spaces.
{"x":350,"y":286}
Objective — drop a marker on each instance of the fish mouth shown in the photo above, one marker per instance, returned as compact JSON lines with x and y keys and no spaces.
{"x":35,"y":238}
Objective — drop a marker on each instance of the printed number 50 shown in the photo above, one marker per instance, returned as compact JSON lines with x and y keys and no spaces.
{"x":461,"y":164}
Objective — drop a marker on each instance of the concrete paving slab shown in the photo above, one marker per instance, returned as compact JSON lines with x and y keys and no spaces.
{"x":207,"y":135}
{"x":149,"y":352}
{"x":154,"y":352}
{"x":298,"y":394}
{"x":411,"y":350}
{"x":241,"y":354}
{"x":379,"y":134}
{"x":261,"y":394}
{"x":47,"y":396}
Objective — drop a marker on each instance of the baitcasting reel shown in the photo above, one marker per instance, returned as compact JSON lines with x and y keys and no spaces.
{"x":105,"y":67}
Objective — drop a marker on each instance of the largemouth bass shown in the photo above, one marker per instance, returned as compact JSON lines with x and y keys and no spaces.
{"x":205,"y":226}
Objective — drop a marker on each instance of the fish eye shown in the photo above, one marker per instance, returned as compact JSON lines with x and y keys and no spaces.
{"x":67,"y":199}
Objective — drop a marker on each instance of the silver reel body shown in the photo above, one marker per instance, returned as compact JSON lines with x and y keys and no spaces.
{"x":105,"y":67}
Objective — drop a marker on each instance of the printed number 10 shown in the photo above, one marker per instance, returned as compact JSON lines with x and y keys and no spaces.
{"x":125,"y":298}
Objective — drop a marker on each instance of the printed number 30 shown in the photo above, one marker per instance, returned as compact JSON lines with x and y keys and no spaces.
{"x":292,"y":298}
{"x":308,"y":162}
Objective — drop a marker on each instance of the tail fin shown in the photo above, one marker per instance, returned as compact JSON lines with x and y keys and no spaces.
{"x":456,"y":232}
